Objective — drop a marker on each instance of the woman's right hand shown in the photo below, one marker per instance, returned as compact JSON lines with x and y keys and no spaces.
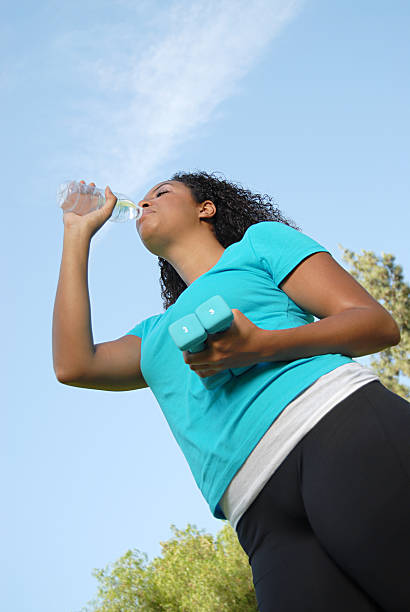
{"x":88,"y":222}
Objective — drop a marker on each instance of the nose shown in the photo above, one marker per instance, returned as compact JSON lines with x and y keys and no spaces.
{"x":146,"y":206}
{"x":144,"y":203}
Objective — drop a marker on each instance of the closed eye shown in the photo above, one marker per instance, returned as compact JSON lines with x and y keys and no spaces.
{"x":161,"y":192}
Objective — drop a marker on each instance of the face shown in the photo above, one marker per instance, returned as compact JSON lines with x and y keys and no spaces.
{"x":170,"y":215}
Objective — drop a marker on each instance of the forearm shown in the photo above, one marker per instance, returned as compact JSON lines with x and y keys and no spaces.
{"x":73,"y":344}
{"x":354,"y":332}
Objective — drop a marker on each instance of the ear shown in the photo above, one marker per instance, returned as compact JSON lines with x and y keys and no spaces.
{"x":208,"y":208}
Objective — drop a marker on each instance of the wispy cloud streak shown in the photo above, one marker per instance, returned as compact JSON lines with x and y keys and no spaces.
{"x":152,"y":91}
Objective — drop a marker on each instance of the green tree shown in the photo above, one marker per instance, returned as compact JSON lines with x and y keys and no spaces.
{"x":195,"y":573}
{"x":383,"y":279}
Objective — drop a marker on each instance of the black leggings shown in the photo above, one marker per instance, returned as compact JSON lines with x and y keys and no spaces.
{"x":330,"y":530}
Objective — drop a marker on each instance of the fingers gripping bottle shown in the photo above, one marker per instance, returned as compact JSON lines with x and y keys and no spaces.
{"x":190,"y":333}
{"x":73,"y":196}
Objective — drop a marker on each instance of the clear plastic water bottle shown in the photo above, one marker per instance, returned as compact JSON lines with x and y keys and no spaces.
{"x":73,"y":196}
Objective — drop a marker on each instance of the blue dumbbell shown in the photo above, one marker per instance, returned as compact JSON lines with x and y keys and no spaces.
{"x":216,"y":316}
{"x":189,"y":335}
{"x":190,"y":332}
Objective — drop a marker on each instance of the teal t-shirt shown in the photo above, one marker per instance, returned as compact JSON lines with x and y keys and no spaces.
{"x":217,"y":429}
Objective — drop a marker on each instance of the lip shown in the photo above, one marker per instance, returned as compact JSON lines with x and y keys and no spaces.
{"x":146,"y":212}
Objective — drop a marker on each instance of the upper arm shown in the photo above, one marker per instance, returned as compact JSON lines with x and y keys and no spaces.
{"x":115,"y":366}
{"x":319,"y":285}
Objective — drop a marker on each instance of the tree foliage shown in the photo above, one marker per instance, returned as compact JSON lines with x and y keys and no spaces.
{"x":383,"y":279}
{"x":194,"y":573}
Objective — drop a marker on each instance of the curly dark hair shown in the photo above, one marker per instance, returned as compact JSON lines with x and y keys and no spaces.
{"x":237,"y":209}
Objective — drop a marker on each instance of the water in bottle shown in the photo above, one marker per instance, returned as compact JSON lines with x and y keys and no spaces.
{"x":73,"y":196}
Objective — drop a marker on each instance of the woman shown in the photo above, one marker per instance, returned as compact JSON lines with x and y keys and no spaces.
{"x":306,"y":453}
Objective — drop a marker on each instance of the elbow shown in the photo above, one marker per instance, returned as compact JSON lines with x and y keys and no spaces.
{"x":393,"y":335}
{"x":64,"y":376}
{"x":386,"y":327}
{"x":397,"y":335}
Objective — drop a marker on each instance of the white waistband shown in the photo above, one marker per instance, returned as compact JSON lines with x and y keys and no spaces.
{"x":294,"y":422}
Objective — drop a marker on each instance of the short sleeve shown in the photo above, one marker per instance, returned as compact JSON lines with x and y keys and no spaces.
{"x":144,"y":327}
{"x":280,"y":248}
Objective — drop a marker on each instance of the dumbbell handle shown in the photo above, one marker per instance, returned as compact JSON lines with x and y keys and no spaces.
{"x":211,"y":382}
{"x":189,"y":335}
{"x":215,"y":317}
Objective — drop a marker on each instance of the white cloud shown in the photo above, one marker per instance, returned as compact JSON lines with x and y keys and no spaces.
{"x":156,"y":78}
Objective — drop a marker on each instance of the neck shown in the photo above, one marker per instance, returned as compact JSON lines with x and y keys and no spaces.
{"x":195,"y":256}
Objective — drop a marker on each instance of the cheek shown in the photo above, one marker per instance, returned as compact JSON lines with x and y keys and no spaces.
{"x":185,"y":216}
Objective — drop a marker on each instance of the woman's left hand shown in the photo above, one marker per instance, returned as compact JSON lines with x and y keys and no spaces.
{"x":240,"y":345}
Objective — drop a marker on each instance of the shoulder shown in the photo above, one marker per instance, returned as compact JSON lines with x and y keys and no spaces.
{"x":145,"y":326}
{"x":271,"y":228}
{"x":269,"y":233}
{"x":280,"y":248}
{"x":279,"y":235}
{"x":152,"y":321}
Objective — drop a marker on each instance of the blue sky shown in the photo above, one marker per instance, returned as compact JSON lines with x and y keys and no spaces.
{"x":307,"y":101}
